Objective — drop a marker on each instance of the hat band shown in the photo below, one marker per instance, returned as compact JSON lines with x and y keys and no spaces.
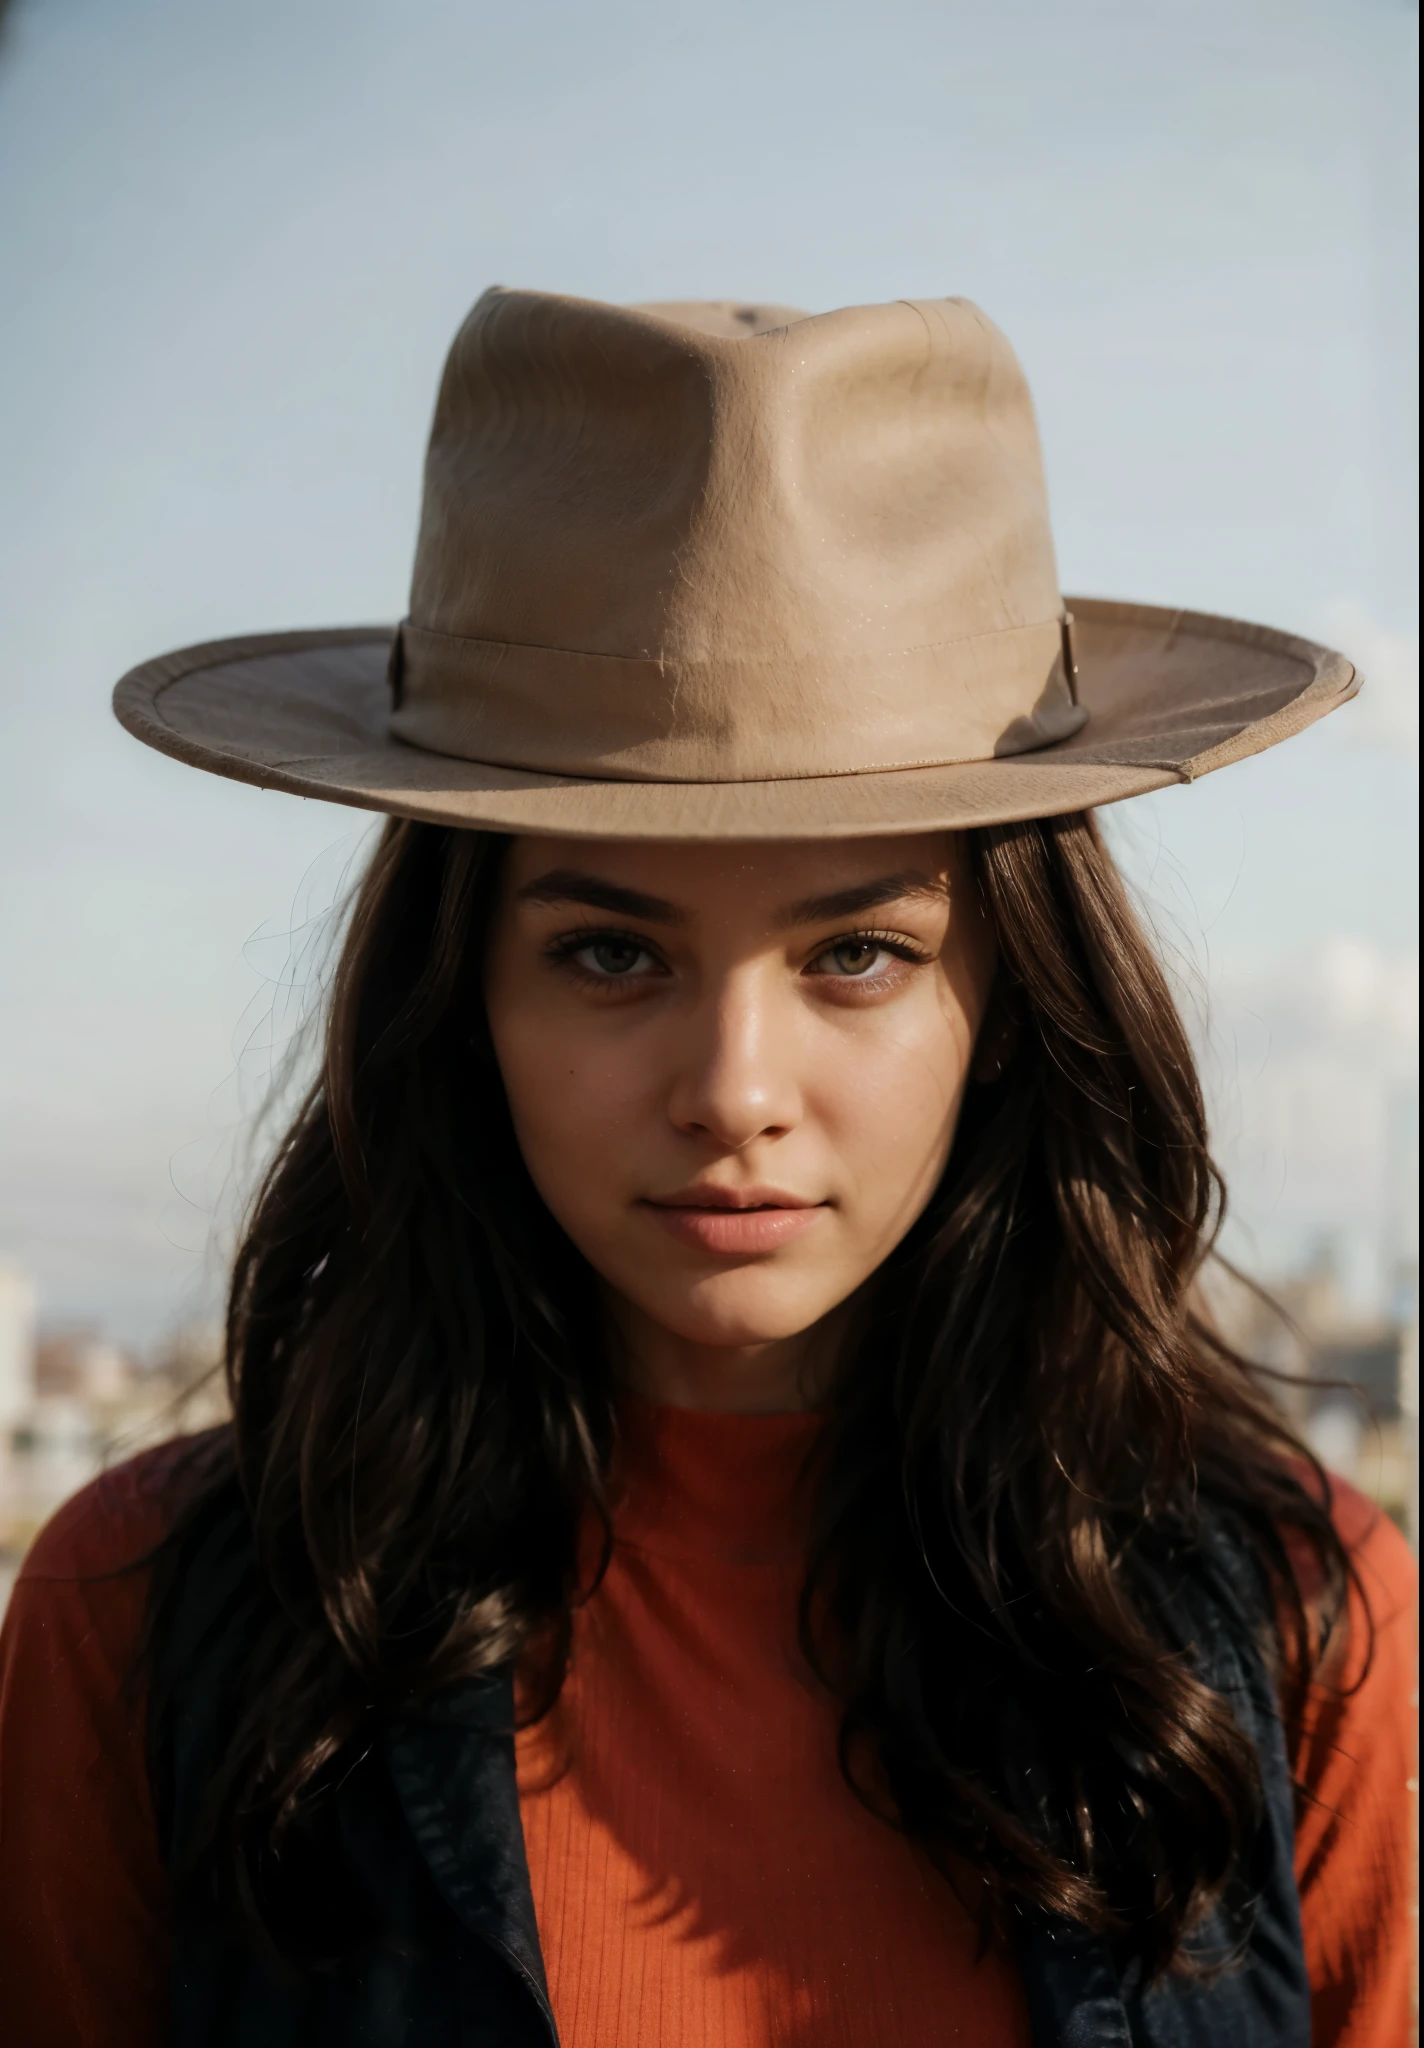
{"x":607,"y":717}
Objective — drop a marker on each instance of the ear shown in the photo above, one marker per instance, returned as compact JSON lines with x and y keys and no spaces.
{"x":998,"y":1039}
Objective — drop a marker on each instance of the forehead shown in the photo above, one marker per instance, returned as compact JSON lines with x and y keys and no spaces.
{"x":737,"y":874}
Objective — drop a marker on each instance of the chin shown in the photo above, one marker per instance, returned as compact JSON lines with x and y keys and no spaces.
{"x":736,"y":1310}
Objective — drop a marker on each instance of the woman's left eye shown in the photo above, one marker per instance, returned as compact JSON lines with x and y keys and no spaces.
{"x":854,"y":959}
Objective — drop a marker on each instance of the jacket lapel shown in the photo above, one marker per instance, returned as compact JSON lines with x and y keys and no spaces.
{"x":452,"y":1765}
{"x":1074,"y":1998}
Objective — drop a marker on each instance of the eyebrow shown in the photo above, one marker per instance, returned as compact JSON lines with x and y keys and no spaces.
{"x":862,"y":896}
{"x":571,"y":885}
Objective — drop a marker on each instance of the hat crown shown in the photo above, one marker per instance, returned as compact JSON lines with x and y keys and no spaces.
{"x":684,"y":543}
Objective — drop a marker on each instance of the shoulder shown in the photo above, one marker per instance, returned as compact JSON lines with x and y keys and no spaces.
{"x":83,"y":1897}
{"x":72,"y":1634}
{"x":112,"y":1523}
{"x":1387,"y":1569}
{"x":76,"y":1611}
{"x":1384,"y":1578}
{"x":1353,"y":1762}
{"x":1376,"y":1655}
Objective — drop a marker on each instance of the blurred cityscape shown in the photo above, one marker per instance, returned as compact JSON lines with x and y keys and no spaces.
{"x":72,"y":1401}
{"x":1348,"y":1380}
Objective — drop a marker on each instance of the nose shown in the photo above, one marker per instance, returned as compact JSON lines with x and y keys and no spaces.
{"x":735,"y":1079}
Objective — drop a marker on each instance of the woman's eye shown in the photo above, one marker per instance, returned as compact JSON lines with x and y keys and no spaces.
{"x":613,"y":959}
{"x":852,"y":957}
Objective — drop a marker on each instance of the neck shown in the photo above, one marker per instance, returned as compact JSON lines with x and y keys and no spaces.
{"x":780,"y":1377}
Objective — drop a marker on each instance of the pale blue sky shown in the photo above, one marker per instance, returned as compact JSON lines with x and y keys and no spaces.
{"x":236,"y":240}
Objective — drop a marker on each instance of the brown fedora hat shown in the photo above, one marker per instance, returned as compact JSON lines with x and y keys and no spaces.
{"x":716,"y":571}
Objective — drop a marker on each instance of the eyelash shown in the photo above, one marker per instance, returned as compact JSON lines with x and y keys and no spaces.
{"x":563,"y":952}
{"x":563,"y":949}
{"x":890,"y":942}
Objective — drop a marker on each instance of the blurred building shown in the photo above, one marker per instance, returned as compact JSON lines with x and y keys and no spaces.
{"x":17,"y":1344}
{"x":72,"y":1402}
{"x":1348,"y":1380}
{"x":78,"y":1365}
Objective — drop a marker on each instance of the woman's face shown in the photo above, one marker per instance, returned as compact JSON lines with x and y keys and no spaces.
{"x":735,"y":1071}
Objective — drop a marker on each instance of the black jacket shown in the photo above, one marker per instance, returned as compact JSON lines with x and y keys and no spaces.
{"x":427,"y":1833}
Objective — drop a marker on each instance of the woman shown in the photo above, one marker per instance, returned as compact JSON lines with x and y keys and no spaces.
{"x":736,"y":1526}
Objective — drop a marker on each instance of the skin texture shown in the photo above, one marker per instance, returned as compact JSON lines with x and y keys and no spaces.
{"x":736,"y":1038}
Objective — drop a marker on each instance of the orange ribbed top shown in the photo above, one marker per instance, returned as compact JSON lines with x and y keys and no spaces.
{"x":702,"y":1874}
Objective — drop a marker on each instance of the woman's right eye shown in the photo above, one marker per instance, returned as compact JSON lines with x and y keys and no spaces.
{"x":612,"y":958}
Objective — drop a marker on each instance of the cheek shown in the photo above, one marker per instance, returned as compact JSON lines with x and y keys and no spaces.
{"x":575,"y":1100}
{"x":890,"y":1101}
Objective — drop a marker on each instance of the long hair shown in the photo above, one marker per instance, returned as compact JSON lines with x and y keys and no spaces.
{"x":1034,"y":1415}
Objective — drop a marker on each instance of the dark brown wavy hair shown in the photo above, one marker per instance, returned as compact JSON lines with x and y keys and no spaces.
{"x":1033,"y":1413}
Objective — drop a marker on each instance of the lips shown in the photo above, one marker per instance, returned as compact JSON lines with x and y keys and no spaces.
{"x":734,"y":1222}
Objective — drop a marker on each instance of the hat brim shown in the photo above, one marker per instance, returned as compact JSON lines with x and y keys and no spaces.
{"x":1170,"y":695}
